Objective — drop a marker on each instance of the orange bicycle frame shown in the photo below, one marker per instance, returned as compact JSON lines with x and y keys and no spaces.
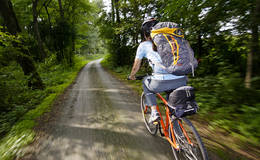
{"x":167,"y":123}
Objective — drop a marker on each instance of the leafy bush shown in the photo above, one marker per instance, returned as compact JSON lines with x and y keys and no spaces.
{"x":231,"y":105}
{"x":17,"y":99}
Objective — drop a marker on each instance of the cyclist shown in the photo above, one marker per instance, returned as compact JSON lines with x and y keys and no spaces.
{"x":160,"y":80}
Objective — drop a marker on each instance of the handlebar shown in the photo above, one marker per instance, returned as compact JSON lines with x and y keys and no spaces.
{"x":138,"y":77}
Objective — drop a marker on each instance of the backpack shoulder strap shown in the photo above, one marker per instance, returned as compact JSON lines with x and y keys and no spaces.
{"x":166,"y":30}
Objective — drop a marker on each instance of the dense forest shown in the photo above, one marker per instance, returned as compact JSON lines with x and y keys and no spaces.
{"x":44,"y":42}
{"x":224,"y":35}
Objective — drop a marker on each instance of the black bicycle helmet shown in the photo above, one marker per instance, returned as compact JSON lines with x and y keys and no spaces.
{"x":147,"y":26}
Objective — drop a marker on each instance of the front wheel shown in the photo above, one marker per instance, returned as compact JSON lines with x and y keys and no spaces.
{"x":191,"y":145}
{"x":146,"y":112}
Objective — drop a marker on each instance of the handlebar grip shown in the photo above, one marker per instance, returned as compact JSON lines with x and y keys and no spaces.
{"x":137,"y":77}
{"x":140,"y":77}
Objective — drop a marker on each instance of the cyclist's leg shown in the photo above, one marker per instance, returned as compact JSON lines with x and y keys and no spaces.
{"x":153,"y":86}
{"x":146,"y":112}
{"x":150,"y":97}
{"x":149,"y":93}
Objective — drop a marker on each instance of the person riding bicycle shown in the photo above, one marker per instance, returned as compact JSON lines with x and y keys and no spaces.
{"x":160,"y":80}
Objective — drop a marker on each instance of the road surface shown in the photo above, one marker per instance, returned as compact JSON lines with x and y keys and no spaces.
{"x":99,"y":119}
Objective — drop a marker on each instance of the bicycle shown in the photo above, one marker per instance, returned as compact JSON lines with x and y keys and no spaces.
{"x":181,"y":134}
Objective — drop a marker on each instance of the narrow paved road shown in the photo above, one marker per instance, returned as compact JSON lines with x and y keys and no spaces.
{"x":100,"y":119}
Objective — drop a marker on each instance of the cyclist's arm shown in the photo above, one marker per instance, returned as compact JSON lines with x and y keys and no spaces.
{"x":135,"y":68}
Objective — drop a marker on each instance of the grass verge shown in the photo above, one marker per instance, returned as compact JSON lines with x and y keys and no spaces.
{"x":57,"y":79}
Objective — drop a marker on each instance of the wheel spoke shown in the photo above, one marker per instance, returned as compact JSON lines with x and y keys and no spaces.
{"x":146,"y":112}
{"x":183,"y":128}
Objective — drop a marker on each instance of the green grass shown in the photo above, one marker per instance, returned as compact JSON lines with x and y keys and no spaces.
{"x":56,"y":78}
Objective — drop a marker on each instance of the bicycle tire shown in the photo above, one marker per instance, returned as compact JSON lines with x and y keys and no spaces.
{"x":174,"y":151}
{"x":146,"y":112}
{"x":187,"y":151}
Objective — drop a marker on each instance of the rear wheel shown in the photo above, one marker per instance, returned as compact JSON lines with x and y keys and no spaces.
{"x":146,"y":112}
{"x":174,"y":151}
{"x":190,"y":149}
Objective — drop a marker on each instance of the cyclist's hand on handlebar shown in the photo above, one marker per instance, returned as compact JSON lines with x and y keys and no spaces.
{"x":131,"y":78}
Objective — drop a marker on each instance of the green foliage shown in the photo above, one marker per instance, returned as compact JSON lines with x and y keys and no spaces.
{"x":27,"y":105}
{"x":63,"y":33}
{"x":122,"y":34}
{"x":59,"y":35}
{"x":61,"y":38}
{"x":224,"y":101}
{"x":7,"y":50}
{"x":230,"y":104}
{"x":219,"y":34}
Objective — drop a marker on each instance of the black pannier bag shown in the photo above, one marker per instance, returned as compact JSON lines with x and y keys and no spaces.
{"x":182,"y":100}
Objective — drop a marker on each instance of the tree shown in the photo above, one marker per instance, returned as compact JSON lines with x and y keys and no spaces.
{"x":25,"y":61}
{"x":121,"y":27}
{"x":61,"y":9}
{"x":254,"y":46}
{"x":36,"y":30}
{"x":117,"y":11}
{"x":113,"y":10}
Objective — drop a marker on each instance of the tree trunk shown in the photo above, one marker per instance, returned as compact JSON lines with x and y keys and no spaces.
{"x":61,"y":10}
{"x":10,"y":20}
{"x":60,"y":55}
{"x":7,"y":12}
{"x":249,"y":69}
{"x":117,"y":11}
{"x":254,"y":44}
{"x":49,"y":18}
{"x":36,"y":31}
{"x":113,"y":11}
{"x":125,"y":10}
{"x":73,"y":44}
{"x":256,"y":59}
